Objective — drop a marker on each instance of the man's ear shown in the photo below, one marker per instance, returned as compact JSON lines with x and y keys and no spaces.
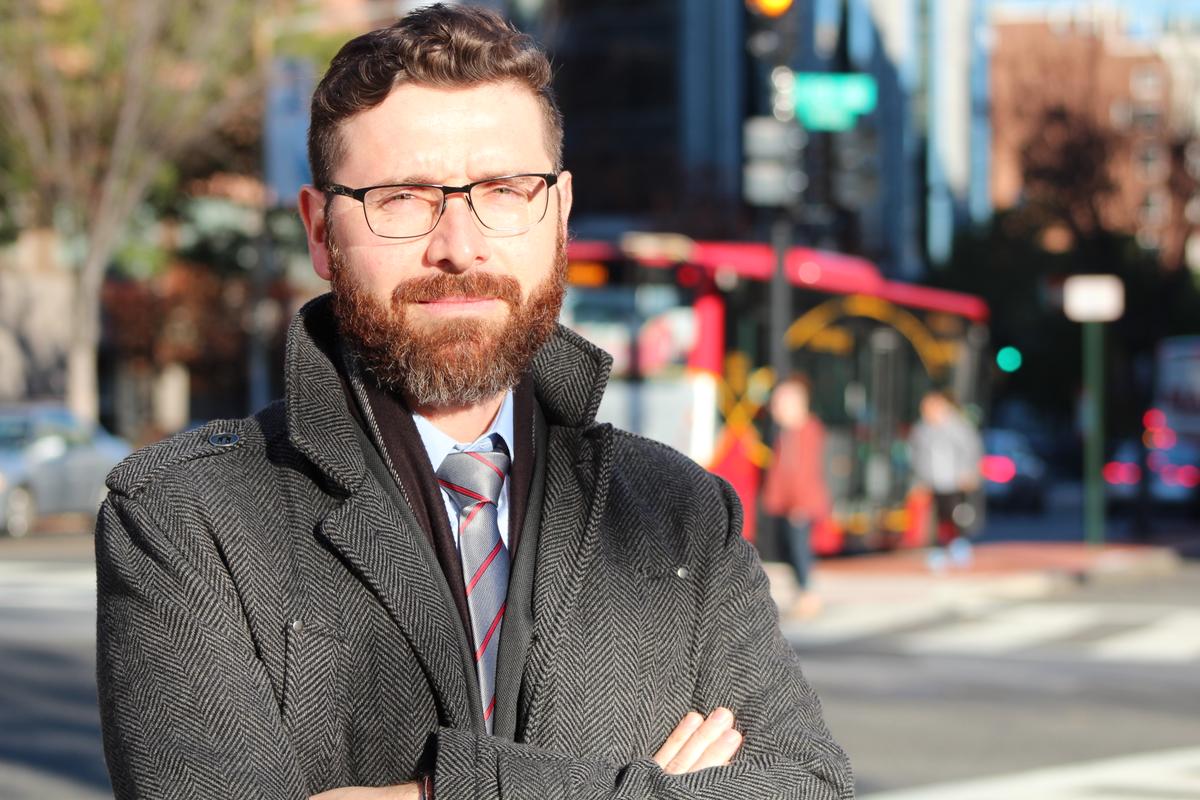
{"x":311,"y":203}
{"x":563,"y":185}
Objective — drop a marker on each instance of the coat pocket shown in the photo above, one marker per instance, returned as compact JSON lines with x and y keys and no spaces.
{"x":312,"y":700}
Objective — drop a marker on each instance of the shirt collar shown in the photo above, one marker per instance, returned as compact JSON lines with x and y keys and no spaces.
{"x":438,"y":444}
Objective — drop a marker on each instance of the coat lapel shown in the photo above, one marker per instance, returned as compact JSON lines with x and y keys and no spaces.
{"x":393,"y":558}
{"x":576,"y":492}
{"x":386,"y":550}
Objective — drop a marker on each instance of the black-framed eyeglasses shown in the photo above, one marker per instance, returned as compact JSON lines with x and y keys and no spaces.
{"x":510,"y":204}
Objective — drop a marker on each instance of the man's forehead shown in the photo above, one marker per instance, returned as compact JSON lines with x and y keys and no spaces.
{"x":485,"y":126}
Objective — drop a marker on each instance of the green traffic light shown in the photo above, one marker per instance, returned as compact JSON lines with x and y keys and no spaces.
{"x":1009,"y":359}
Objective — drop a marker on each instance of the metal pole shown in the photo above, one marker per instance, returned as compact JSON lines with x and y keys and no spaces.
{"x":781,"y":295}
{"x":258,"y":359}
{"x":1093,"y":373}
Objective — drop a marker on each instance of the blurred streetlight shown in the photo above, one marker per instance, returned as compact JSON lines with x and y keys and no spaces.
{"x":1093,"y":300}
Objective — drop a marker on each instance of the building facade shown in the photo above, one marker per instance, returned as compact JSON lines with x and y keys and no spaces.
{"x":1076,"y":78}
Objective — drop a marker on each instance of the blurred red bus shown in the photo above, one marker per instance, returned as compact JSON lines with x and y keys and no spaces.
{"x":686,"y":324}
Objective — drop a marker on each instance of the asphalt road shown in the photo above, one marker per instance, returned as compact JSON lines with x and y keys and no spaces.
{"x":915,"y":707}
{"x":49,"y":722}
{"x":926,"y":706}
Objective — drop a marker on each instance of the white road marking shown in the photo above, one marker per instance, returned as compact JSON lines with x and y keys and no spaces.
{"x":35,"y":584}
{"x":1174,"y":637}
{"x":1160,"y":633}
{"x":848,"y":623}
{"x":1165,"y":774}
{"x":1005,"y":630}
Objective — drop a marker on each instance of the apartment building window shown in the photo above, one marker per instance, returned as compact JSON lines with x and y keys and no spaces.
{"x":1120,"y":114}
{"x":1153,"y":210}
{"x":1146,"y":82}
{"x":1191,"y":211}
{"x":1146,"y":116}
{"x":1191,"y":157}
{"x":1148,"y":239}
{"x":1151,"y":161}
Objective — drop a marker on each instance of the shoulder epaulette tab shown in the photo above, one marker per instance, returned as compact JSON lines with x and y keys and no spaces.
{"x":214,"y":438}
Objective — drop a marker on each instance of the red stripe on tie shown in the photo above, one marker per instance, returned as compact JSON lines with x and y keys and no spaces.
{"x":487,"y":712}
{"x":483,"y":460}
{"x":488,"y":637}
{"x":456,"y":488}
{"x":483,"y":567}
{"x":463,"y":525}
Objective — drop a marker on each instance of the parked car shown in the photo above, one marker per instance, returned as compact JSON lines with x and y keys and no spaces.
{"x":1174,"y":474}
{"x":1014,"y":476}
{"x":51,"y":463}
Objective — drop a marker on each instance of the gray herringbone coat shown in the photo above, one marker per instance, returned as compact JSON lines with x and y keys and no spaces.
{"x":272,"y":623}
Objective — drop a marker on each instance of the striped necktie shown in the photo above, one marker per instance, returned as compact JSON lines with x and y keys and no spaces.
{"x":473,"y":481}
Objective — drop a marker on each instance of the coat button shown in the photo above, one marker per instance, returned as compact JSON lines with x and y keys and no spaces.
{"x":683,"y":573}
{"x":297,"y":626}
{"x":224,"y":439}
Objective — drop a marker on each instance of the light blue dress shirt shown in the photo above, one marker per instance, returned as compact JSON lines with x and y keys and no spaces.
{"x":439,"y":445}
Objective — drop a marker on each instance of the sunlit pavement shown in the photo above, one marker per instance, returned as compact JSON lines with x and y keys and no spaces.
{"x":49,"y":723}
{"x":1170,"y":774}
{"x":1042,"y":669}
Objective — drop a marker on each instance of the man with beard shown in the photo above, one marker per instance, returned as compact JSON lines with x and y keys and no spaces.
{"x":428,"y":570}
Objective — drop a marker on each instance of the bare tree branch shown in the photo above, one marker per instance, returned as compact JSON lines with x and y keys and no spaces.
{"x":20,"y":108}
{"x":136,"y":83}
{"x":177,"y":113}
{"x":58,"y":126}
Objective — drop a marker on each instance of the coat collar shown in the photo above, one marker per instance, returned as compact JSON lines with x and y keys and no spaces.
{"x":569,"y":376}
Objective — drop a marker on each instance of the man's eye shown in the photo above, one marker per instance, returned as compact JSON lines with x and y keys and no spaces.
{"x":505,"y":190}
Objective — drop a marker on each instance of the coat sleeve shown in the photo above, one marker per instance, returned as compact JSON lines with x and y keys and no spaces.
{"x":787,"y":752}
{"x":187,"y":710}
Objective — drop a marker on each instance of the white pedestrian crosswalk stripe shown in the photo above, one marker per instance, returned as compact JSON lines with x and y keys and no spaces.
{"x":1172,"y":774}
{"x":1102,"y":632}
{"x":1175,"y":637}
{"x":1005,"y":630}
{"x":46,"y":585}
{"x":47,"y":603}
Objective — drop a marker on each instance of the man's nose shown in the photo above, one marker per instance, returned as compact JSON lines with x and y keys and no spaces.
{"x":457,"y":244}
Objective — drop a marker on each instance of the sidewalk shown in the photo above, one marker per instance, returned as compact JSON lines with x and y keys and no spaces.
{"x":1166,"y":774}
{"x":867,"y":594}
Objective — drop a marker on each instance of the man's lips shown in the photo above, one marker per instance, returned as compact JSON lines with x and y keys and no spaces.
{"x":457,"y":303}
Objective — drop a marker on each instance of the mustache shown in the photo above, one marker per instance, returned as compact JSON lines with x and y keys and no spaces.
{"x":469,"y":284}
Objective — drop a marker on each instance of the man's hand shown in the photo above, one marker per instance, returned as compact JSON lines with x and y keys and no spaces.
{"x":405,"y":791}
{"x":698,"y":743}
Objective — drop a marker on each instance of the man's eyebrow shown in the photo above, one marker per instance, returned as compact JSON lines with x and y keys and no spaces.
{"x":405,"y":180}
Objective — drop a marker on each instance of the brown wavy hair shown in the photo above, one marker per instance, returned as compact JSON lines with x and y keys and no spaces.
{"x":439,"y":46}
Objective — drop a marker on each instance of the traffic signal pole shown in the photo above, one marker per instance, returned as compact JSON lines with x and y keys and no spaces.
{"x":780,"y":308}
{"x":774,"y":175}
{"x":1093,"y":371}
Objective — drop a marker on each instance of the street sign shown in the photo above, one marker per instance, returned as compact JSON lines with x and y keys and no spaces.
{"x":772,"y":184}
{"x":827,"y":101}
{"x":286,"y":129}
{"x":772,"y":175}
{"x":770,"y":138}
{"x":1093,"y":298}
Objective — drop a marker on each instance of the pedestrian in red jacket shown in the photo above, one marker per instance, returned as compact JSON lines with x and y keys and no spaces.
{"x":795,"y":485}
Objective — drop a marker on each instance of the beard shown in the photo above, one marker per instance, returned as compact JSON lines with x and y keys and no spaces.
{"x":450,"y":363}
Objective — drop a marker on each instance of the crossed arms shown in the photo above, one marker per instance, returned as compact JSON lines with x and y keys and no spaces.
{"x":187,"y":716}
